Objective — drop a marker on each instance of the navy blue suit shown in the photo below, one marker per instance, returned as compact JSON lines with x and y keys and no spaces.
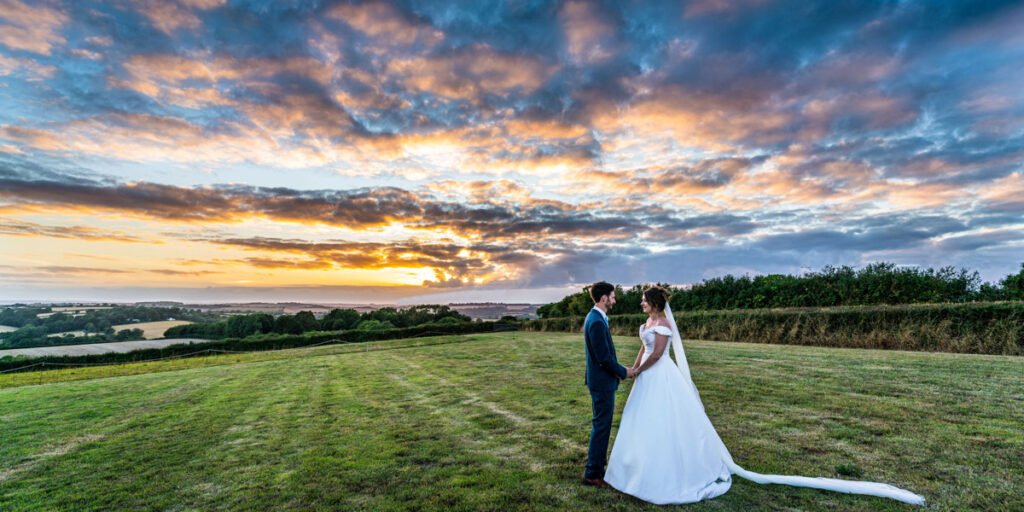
{"x":603,"y":375}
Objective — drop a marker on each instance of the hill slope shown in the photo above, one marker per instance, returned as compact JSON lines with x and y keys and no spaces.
{"x":498,"y":421}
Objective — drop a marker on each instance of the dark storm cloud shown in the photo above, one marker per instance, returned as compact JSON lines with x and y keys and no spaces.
{"x":866,"y":235}
{"x":356,"y":209}
{"x":974,"y":242}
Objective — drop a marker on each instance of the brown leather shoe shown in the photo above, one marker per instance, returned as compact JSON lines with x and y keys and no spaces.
{"x":596,"y":482}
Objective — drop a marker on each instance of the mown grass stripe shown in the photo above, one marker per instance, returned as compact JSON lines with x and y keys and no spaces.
{"x":500,"y":422}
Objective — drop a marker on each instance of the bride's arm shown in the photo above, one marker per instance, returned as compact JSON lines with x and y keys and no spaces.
{"x":639,"y":356}
{"x":660,"y":342}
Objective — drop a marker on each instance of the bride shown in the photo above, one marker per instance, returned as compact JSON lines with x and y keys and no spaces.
{"x":666,"y":450}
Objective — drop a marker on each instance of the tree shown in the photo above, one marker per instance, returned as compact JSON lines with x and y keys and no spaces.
{"x":307,"y":321}
{"x":1013,"y":285}
{"x":340,"y":319}
{"x":374,"y":325}
{"x":130,"y":335}
{"x":240,"y":326}
{"x":264,"y":322}
{"x":286,"y":324}
{"x":875,"y":283}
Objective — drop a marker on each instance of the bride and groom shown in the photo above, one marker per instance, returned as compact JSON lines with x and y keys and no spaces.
{"x":667,"y":450}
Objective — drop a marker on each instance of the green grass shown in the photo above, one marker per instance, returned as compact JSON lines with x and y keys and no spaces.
{"x":495,"y":422}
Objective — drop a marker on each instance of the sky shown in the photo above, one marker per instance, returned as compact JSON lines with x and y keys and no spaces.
{"x":511,"y":151}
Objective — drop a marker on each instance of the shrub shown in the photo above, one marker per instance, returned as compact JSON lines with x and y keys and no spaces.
{"x":980,"y":328}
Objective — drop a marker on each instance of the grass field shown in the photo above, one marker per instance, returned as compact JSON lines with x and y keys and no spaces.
{"x":495,"y":422}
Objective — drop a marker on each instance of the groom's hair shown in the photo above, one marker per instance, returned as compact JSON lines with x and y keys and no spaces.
{"x":600,"y":289}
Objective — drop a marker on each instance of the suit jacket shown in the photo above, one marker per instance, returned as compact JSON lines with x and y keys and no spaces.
{"x":603,"y":369}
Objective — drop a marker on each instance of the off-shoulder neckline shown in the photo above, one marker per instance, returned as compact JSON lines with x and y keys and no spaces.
{"x":653,"y":327}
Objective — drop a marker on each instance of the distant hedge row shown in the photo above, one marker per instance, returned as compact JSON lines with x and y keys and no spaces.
{"x":978,"y":328}
{"x":267,"y":342}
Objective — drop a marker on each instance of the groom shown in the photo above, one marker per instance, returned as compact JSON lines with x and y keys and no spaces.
{"x":603,"y":375}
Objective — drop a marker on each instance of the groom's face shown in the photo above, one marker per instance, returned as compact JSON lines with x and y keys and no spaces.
{"x":611,"y":300}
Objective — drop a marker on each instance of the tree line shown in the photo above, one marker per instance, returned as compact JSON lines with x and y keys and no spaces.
{"x":875,"y":284}
{"x":32,"y":336}
{"x":96,"y":324}
{"x":240,"y":326}
{"x":95,"y":320}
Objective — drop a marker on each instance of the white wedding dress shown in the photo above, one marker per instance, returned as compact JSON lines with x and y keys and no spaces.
{"x":667,"y":450}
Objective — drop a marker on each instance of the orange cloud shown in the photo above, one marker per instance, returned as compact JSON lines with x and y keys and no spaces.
{"x":203,"y":4}
{"x":15,"y":227}
{"x":446,"y":262}
{"x":773,"y":188}
{"x":689,"y":119}
{"x":1008,"y":189}
{"x":524,"y":129}
{"x":386,"y":25}
{"x":167,"y":16}
{"x":33,"y":28}
{"x":162,"y":76}
{"x":33,"y":70}
{"x":479,"y":191}
{"x":33,"y":137}
{"x":147,"y":138}
{"x":588,"y":36}
{"x":922,"y":195}
{"x":470,"y":73}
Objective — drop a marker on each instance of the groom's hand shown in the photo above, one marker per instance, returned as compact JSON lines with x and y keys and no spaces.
{"x":630,"y":373}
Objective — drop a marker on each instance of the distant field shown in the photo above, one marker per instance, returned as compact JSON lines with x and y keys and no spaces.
{"x":7,"y":328}
{"x":496,"y":422}
{"x":85,"y":349}
{"x":152,"y":330}
{"x":54,"y":311}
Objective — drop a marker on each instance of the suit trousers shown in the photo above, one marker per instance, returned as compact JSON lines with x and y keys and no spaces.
{"x":597,"y":454}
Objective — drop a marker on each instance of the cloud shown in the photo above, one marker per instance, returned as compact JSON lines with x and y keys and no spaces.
{"x":167,"y":15}
{"x":866,"y":235}
{"x":386,"y":25}
{"x":589,"y":38}
{"x":32,"y":28}
{"x":172,"y":272}
{"x":515,"y":143}
{"x":354,"y":209}
{"x":63,"y":270}
{"x":450,"y":263}
{"x":470,"y":73}
{"x":15,"y":227}
{"x":973,"y":242}
{"x":33,"y":71}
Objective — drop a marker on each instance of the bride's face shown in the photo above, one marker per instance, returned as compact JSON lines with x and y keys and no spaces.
{"x":644,"y":306}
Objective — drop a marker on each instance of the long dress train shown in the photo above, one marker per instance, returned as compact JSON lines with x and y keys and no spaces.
{"x":667,"y":450}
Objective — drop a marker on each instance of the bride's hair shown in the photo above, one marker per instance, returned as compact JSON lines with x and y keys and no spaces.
{"x":657,"y":297}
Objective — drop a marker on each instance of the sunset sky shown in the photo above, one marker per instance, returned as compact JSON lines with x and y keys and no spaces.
{"x":415,"y":151}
